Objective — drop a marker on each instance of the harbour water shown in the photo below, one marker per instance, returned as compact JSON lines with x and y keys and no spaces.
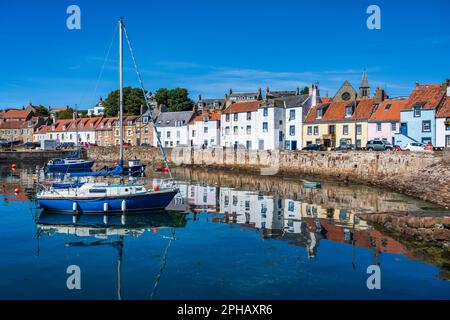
{"x":225,"y":236}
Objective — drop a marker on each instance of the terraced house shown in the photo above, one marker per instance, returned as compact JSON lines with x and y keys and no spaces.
{"x":129,"y":130}
{"x":443,"y":122}
{"x":104,"y":132}
{"x":343,"y":120}
{"x":385,"y":120}
{"x":418,"y":119}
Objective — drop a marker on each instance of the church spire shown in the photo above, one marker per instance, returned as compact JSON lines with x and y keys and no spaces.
{"x":364,"y":88}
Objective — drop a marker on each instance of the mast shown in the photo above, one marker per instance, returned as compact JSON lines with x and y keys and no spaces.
{"x":121,"y":89}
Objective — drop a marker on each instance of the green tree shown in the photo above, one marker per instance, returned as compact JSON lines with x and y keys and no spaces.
{"x":65,"y":114}
{"x":174,"y":99}
{"x":132,"y":101}
{"x":41,"y":111}
{"x":305,"y":90}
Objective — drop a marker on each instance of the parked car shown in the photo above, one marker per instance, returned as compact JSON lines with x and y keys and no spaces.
{"x":31,"y":145}
{"x":379,"y":145}
{"x":344,"y":147}
{"x":145,"y":145}
{"x":67,"y":145}
{"x":314,"y":147}
{"x":415,"y":146}
{"x":398,"y":148}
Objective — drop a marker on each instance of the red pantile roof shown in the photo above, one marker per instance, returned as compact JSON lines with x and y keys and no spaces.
{"x":335,"y":111}
{"x":430,"y":94}
{"x":444,"y":111}
{"x":364,"y":109}
{"x":389,"y":110}
{"x":17,"y":114}
{"x":213,"y":116}
{"x":105,"y":122}
{"x":11,"y":125}
{"x":250,"y":106}
{"x":325,"y":100}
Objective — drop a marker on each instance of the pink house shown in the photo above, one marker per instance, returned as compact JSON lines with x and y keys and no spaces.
{"x":385,"y":120}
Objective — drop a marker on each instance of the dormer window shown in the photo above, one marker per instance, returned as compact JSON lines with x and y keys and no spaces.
{"x":418,"y":109}
{"x":206,"y":119}
{"x":73,"y":125}
{"x":319,"y":114}
{"x":109,"y":124}
{"x":145,"y":119}
{"x":92,"y":125}
{"x":102,"y":125}
{"x":387,"y":107}
{"x":53,"y":127}
{"x":348,"y":111}
{"x":130,"y":123}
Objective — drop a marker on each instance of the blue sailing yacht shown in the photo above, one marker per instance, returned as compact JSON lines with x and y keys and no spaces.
{"x":105,"y":196}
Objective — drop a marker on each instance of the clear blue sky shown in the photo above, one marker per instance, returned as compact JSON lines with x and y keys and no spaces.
{"x":209,"y":46}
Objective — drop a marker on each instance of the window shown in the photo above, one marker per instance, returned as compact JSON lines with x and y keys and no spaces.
{"x":394,"y":126}
{"x":292,"y":130}
{"x":193,"y":133}
{"x":426,"y":126}
{"x":178,"y":134}
{"x":359,"y":129}
{"x":292,"y":115}
{"x":227,"y":117}
{"x":168,"y":134}
{"x":236,"y":116}
{"x":388,"y":106}
{"x":425,"y":140}
{"x":345,"y":130}
{"x":417,"y":111}
{"x":235,"y":130}
{"x":348,"y":111}
{"x":265,"y":127}
{"x":280,"y":136}
{"x":249,"y":116}
{"x":316,"y":130}
{"x":249,"y":130}
{"x":227,"y":130}
{"x":205,"y":130}
{"x":309,"y":131}
{"x":291,"y":206}
{"x":129,"y":132}
{"x":319,"y":114}
{"x":378,"y":127}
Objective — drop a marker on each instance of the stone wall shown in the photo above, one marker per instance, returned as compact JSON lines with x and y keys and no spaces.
{"x":422,"y":175}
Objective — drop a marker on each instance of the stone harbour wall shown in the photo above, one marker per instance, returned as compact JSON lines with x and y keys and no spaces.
{"x":422,"y":175}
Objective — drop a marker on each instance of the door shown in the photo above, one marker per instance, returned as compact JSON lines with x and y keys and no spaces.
{"x":261,"y":145}
{"x":293,"y":145}
{"x":404,"y":129}
{"x":447,"y":141}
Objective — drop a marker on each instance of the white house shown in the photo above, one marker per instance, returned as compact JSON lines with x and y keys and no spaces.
{"x":173,"y":128}
{"x":239,"y":125}
{"x":268,"y":124}
{"x":205,"y":129}
{"x":443,"y":122}
{"x":97,"y":110}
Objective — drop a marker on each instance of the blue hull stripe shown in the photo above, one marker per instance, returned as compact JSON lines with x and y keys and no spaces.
{"x":142,"y":202}
{"x":69,"y":167}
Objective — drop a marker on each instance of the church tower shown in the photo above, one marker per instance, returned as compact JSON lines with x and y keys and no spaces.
{"x":364,"y":88}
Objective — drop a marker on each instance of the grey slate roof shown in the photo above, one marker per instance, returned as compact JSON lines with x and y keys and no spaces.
{"x":169,"y":119}
{"x":364,"y":81}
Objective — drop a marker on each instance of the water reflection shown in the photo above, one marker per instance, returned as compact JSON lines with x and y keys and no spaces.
{"x":110,"y":230}
{"x":213,"y":213}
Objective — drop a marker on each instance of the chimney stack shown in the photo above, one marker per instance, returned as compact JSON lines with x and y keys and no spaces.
{"x":314,"y":94}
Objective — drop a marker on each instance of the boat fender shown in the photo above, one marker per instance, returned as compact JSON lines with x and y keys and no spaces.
{"x":156,"y":188}
{"x":105,"y":207}
{"x":74,"y":206}
{"x":124,"y":206}
{"x":105,"y":219}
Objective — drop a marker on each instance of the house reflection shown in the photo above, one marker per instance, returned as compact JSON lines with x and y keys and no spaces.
{"x":297,"y":222}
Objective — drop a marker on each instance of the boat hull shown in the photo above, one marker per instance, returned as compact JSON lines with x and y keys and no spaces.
{"x":150,"y":201}
{"x":70,"y":167}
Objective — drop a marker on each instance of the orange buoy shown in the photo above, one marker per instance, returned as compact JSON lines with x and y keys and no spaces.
{"x":116,"y":164}
{"x":155,"y":230}
{"x":16,"y":190}
{"x":156,"y":188}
